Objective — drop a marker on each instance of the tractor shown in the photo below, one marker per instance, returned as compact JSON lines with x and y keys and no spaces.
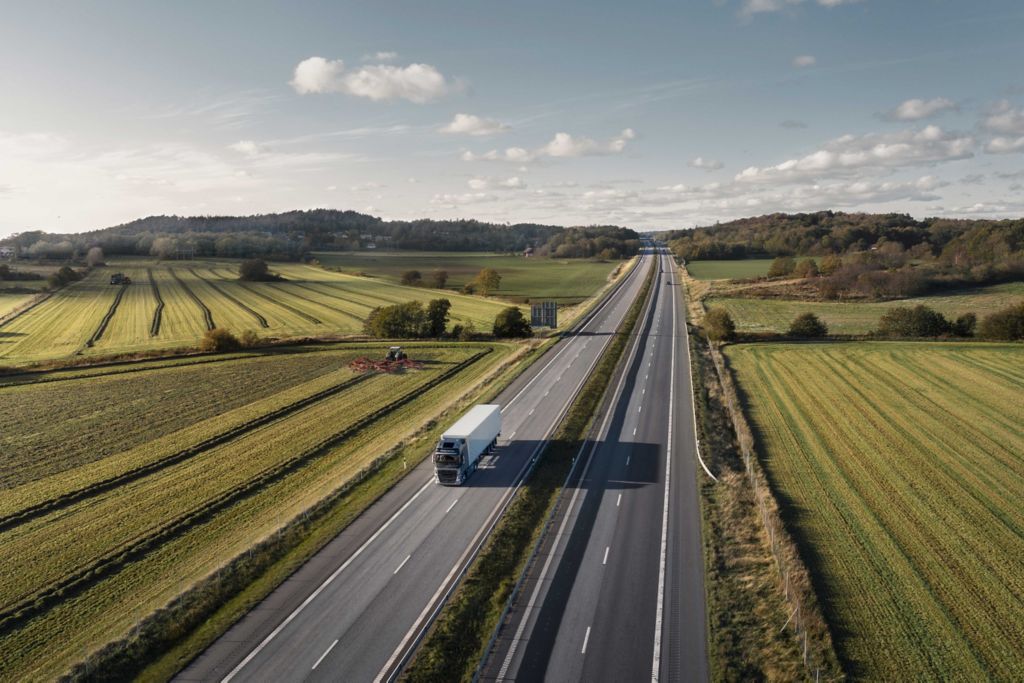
{"x":395,"y":353}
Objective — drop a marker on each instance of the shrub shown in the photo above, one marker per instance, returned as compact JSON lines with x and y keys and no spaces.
{"x":249,"y":339}
{"x":806,"y":268}
{"x":718,"y":324}
{"x":807,"y":325}
{"x":412,"y":278}
{"x":830,"y":264}
{"x":511,"y":322}
{"x":64,"y":276}
{"x":1007,"y":324}
{"x":256,"y":270}
{"x":219,"y":340}
{"x":919,"y":321}
{"x":964,"y":325}
{"x":439,"y":278}
{"x":781,"y":266}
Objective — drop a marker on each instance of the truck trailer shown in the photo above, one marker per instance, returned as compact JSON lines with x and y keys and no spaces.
{"x":460,"y":447}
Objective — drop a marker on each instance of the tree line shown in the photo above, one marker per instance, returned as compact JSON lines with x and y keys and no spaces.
{"x":899,"y":322}
{"x":293,"y":234}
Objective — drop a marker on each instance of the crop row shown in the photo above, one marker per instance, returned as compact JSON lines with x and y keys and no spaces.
{"x":44,"y":647}
{"x":154,"y":327}
{"x":248,"y":309}
{"x":101,"y":328}
{"x":207,"y":314}
{"x":95,"y":488}
{"x":904,"y":463}
{"x":70,"y":578}
{"x":146,"y":410}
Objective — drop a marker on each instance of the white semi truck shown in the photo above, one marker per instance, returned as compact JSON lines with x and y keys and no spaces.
{"x":460,"y":447}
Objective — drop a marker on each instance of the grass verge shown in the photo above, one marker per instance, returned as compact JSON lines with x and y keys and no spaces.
{"x":456,"y":641}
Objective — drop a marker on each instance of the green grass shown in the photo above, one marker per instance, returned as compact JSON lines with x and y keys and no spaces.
{"x":42,"y":552}
{"x":729,"y":270}
{"x":313,"y":302}
{"x":775,"y":315}
{"x":567,"y":281}
{"x":900,"y":469}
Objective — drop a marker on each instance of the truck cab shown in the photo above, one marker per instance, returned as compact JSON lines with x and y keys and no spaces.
{"x":449,"y":461}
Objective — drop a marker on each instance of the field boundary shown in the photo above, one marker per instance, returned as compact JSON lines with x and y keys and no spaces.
{"x":232,"y":298}
{"x":25,"y":307}
{"x":203,"y":308}
{"x":112,"y":561}
{"x":107,"y":317}
{"x":809,"y":625}
{"x":158,"y":312}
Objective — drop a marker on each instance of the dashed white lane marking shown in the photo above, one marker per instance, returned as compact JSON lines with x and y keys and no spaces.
{"x":618,"y":500}
{"x":511,"y":436}
{"x":585,"y":639}
{"x":639,"y":408}
{"x":634,"y":431}
{"x":451,"y":506}
{"x":531,"y":412}
{"x":606,"y":549}
{"x":403,"y":564}
{"x":627,"y":460}
{"x":326,"y":652}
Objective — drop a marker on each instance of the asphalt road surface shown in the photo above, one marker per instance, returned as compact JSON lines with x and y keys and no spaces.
{"x":355,"y":611}
{"x":617,"y":591}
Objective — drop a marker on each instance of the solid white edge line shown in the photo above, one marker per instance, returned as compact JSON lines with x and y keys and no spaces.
{"x":586,"y":638}
{"x":408,"y":557}
{"x":326,"y":652}
{"x":496,"y":511}
{"x":530,"y":605}
{"x":660,"y":612}
{"x":322,"y":586}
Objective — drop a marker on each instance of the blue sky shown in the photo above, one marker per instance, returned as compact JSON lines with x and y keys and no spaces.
{"x":647,"y":114}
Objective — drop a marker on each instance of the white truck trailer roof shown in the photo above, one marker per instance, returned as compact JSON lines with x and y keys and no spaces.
{"x":471,"y":421}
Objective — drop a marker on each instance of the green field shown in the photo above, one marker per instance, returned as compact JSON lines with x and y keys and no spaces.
{"x":775,"y":315}
{"x":568,"y":281}
{"x":900,"y":468}
{"x":171,"y":305}
{"x":729,"y":270}
{"x":160,"y":471}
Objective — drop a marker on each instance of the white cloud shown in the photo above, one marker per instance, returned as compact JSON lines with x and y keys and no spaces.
{"x":1004,"y":145}
{"x":803,"y":61}
{"x":562,"y":145}
{"x":917,"y":109}
{"x":416,"y":83}
{"x":1006,"y":119}
{"x":513,"y":183}
{"x":706,"y":164}
{"x":247,"y":147}
{"x":384,"y":56}
{"x":468,"y":124}
{"x":751,"y":7}
{"x":929,"y":145}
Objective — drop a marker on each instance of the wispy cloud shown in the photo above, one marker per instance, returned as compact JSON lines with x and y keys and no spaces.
{"x":562,"y":145}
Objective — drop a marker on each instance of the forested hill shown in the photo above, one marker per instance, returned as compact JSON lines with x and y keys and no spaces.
{"x":295,"y":233}
{"x":828,"y":232}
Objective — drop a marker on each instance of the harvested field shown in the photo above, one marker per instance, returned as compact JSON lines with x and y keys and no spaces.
{"x":171,"y":305}
{"x":900,"y":469}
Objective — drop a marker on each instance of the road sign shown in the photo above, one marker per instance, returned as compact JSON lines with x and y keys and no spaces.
{"x":544,"y":314}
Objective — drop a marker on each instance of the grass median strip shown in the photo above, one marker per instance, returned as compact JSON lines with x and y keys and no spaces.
{"x":456,"y":641}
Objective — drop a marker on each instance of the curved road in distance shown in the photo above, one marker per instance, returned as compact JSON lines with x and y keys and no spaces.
{"x":617,"y":591}
{"x":356,"y":609}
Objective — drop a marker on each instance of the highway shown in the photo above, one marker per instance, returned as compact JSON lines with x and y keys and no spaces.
{"x":356,"y":610}
{"x":616,"y":592}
